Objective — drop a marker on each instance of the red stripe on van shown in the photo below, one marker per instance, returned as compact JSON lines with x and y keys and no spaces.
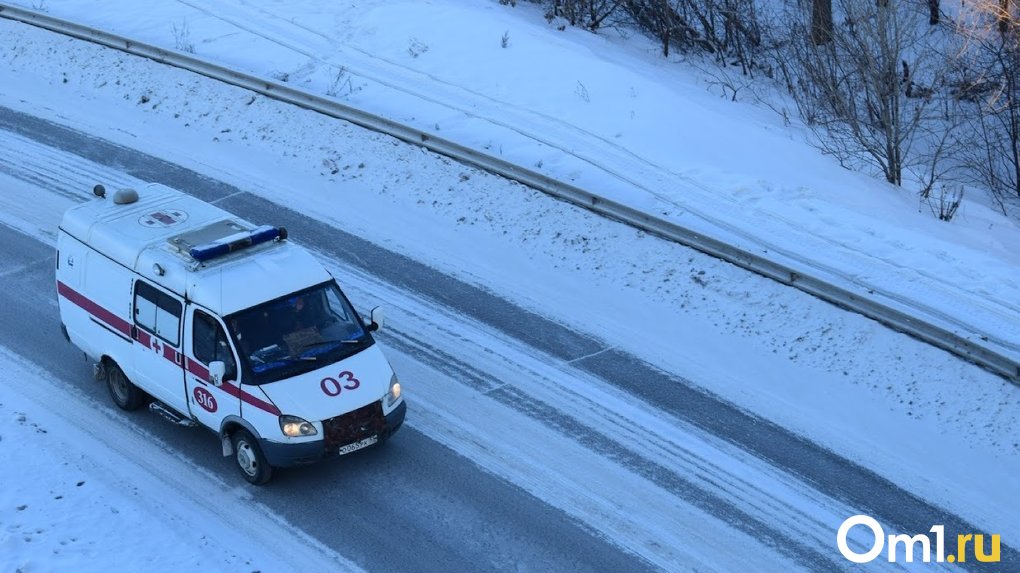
{"x":168,"y":353}
{"x":172,"y":355}
{"x":197,"y":368}
{"x":250,"y":399}
{"x":202,"y":373}
{"x":112,"y":320}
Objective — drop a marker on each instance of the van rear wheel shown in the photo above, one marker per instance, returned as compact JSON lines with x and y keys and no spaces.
{"x":125,"y":395}
{"x":249,"y":458}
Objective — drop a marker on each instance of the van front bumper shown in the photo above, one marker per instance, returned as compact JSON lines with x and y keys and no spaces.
{"x":283,"y":455}
{"x":286,"y":455}
{"x":394,"y":420}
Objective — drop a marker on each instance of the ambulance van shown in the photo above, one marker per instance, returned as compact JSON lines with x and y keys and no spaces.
{"x":213,"y":321}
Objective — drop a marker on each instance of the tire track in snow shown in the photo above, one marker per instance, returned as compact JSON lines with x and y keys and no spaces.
{"x":632,"y":169}
{"x":688,"y":467}
{"x":670,"y":480}
{"x":830,"y":474}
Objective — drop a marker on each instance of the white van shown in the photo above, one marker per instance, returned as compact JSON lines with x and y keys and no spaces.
{"x":216,"y":322}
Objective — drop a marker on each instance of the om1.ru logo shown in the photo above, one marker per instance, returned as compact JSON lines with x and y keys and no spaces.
{"x":908,"y":542}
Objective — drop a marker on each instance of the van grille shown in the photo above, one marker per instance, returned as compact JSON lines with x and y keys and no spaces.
{"x":354,"y":425}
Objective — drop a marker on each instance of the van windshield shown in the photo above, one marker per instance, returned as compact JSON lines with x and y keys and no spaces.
{"x":297,"y":333}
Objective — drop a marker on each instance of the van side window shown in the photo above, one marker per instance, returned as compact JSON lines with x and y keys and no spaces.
{"x":210,"y":343}
{"x":158,"y":312}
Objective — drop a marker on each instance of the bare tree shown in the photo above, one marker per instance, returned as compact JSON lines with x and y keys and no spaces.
{"x":821,"y":22}
{"x":728,"y":29}
{"x":869,"y":91}
{"x":988,"y":88}
{"x":933,"y":12}
{"x":663,"y":21}
{"x":590,"y":14}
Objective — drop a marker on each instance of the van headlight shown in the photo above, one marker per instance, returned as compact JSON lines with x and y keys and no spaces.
{"x":394,"y":394}
{"x":295,"y":427}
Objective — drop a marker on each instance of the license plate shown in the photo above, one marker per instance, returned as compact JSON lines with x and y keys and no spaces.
{"x":360,"y":444}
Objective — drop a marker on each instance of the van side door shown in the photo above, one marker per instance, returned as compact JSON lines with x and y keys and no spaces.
{"x":158,"y":364}
{"x":206,"y":341}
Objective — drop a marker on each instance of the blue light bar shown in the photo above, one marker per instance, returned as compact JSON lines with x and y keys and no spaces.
{"x":262,"y":234}
{"x":209,"y":251}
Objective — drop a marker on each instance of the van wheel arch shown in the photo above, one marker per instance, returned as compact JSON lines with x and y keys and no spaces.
{"x":123,"y":392}
{"x":227,"y":430}
{"x":102,"y":371}
{"x":232,"y":424}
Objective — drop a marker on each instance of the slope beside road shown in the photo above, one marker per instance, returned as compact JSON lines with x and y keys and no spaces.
{"x":724,"y":170}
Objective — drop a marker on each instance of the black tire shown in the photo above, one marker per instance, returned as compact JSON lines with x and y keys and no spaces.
{"x":249,"y":458}
{"x":125,"y":395}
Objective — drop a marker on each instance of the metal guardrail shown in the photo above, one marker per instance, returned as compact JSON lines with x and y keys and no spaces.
{"x":967,"y":346}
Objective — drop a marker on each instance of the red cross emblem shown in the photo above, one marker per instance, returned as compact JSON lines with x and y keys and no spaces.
{"x":163,"y":218}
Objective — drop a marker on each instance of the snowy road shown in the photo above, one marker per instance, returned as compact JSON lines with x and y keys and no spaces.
{"x":530,"y":445}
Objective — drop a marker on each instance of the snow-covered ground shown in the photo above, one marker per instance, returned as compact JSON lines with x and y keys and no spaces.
{"x":926,"y":420}
{"x":77,"y":496}
{"x":613,"y":117}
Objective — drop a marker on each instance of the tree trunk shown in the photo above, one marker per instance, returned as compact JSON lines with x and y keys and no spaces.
{"x":933,"y":12}
{"x":821,"y":22}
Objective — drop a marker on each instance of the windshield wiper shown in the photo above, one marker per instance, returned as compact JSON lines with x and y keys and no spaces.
{"x":292,"y":358}
{"x":281,"y":362}
{"x":325,"y":342}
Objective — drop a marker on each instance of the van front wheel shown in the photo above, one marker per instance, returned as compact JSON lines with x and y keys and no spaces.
{"x":125,"y":395}
{"x":249,"y":458}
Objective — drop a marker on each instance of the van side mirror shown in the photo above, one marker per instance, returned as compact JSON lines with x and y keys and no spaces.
{"x":216,"y":371}
{"x":376,"y":319}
